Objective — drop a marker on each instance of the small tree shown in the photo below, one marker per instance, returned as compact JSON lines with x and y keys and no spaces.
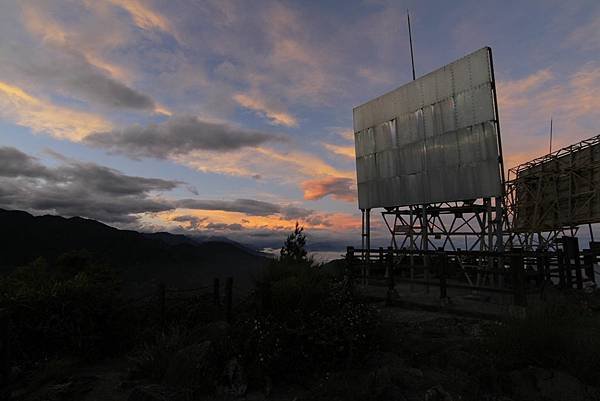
{"x":293,"y":249}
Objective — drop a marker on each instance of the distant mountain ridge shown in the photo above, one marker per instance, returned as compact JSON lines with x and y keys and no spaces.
{"x":140,"y":256}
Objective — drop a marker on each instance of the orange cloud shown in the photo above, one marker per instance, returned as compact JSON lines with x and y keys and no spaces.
{"x":207,"y":220}
{"x":42,"y":116}
{"x":526,"y":106}
{"x":143,"y":16}
{"x":273,"y":114}
{"x":345,"y":151}
{"x":263,"y":162}
{"x":40,"y":23}
{"x":338,"y":187}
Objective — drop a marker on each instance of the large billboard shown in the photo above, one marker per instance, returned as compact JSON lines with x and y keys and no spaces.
{"x":558,"y":190}
{"x":432,"y":140}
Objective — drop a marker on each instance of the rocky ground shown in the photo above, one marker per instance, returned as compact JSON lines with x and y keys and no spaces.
{"x":419,"y":356}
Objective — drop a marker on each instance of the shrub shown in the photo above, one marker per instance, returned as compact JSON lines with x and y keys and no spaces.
{"x":305,"y":322}
{"x":562,"y":334}
{"x":152,"y":359}
{"x":70,"y":311}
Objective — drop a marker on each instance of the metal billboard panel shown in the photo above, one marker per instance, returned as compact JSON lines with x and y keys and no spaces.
{"x":432,"y":140}
{"x":559,"y":190}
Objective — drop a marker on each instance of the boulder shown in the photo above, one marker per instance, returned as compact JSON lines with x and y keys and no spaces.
{"x":235,"y":378}
{"x":194,"y":367}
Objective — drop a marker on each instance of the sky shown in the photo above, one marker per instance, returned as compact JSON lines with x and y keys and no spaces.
{"x":234,"y":118}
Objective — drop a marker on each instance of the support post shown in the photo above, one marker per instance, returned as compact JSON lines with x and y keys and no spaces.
{"x":540,"y":265}
{"x":518,"y":277}
{"x":368,"y":243}
{"x":588,"y":265}
{"x":572,"y":250}
{"x":562,"y":274}
{"x":425,"y":246}
{"x":362,"y":246}
{"x":390,"y":269}
{"x":381,"y":261}
{"x":442,"y":274}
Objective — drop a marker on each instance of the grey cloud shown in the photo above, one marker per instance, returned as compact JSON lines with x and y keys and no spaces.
{"x":178,"y":135}
{"x":293,"y":212}
{"x":111,"y":182}
{"x":246,"y":206}
{"x":14,"y":163}
{"x":68,"y":71}
{"x":77,"y":189}
{"x":224,"y":227}
{"x":192,"y":221}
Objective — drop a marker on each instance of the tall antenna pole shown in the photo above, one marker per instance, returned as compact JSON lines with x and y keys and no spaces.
{"x":412,"y":56}
{"x":550,"y":134}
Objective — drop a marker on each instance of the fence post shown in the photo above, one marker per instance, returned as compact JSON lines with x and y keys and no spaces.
{"x":390,"y":269}
{"x":216,"y":297}
{"x":349,"y":262}
{"x":228,"y":297}
{"x":442,"y":273}
{"x":539,"y":265}
{"x":560,"y":261}
{"x":588,"y":262}
{"x":571,"y":248}
{"x":162,"y":289}
{"x":518,"y":277}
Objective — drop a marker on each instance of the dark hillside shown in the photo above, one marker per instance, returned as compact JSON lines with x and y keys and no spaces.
{"x":176,"y":259}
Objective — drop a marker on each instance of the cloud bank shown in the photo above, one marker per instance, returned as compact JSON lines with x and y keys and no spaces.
{"x":178,"y":136}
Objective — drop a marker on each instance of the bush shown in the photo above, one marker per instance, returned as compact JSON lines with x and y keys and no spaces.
{"x":305,"y":322}
{"x":152,"y":359}
{"x":63,"y":309}
{"x":560,"y":335}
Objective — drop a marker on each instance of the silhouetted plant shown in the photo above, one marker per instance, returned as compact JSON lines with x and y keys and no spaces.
{"x":293,"y":250}
{"x":561,"y":334}
{"x":306,"y":322}
{"x":56,"y":312}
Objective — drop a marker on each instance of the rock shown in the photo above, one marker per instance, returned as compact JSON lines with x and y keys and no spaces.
{"x":534,"y":383}
{"x":194,"y":367}
{"x":235,"y":378}
{"x":148,"y":393}
{"x":437,"y":393}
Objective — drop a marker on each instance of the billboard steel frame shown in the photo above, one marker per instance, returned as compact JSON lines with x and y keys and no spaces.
{"x":480,"y":222}
{"x":529,"y":192}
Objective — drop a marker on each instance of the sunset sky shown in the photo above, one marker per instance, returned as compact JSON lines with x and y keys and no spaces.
{"x":234,"y":118}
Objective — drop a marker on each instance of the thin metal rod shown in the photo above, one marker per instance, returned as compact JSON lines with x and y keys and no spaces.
{"x":550,"y":135}
{"x":412,"y":55}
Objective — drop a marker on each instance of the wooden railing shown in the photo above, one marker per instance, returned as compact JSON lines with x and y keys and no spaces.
{"x":515,"y":271}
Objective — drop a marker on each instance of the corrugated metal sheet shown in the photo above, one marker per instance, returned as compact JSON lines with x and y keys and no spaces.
{"x":432,"y":140}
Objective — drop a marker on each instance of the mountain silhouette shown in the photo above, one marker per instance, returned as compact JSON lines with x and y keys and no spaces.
{"x":139,"y":257}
